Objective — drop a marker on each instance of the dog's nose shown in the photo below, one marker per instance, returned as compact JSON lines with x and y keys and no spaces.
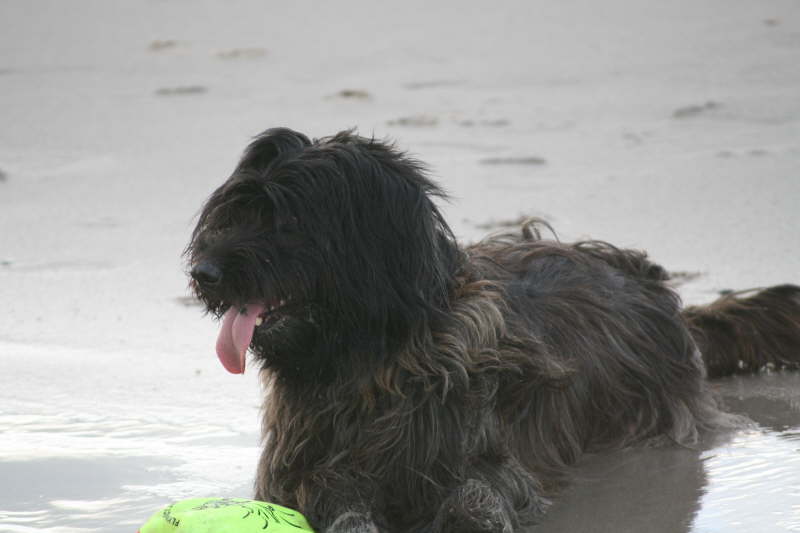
{"x":206,"y":273}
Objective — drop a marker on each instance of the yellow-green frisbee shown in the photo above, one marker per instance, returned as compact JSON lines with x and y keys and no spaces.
{"x":225,"y":515}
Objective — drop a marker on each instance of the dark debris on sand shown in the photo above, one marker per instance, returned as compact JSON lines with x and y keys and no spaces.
{"x":415,"y":121}
{"x":352,"y":94}
{"x":527,"y":160}
{"x":679,"y":277}
{"x":509,"y":223}
{"x":182,"y":90}
{"x":242,"y":53}
{"x":162,"y":44}
{"x":695,"y":110}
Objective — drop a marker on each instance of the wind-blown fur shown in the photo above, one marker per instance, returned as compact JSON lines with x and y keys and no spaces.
{"x":415,"y":385}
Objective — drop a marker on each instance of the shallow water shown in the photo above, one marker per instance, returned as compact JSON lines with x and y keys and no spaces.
{"x":106,"y":468}
{"x":99,"y":453}
{"x":748,"y":481}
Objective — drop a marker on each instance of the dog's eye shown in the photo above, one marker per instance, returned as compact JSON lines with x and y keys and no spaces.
{"x":288,"y":225}
{"x":289,"y":233}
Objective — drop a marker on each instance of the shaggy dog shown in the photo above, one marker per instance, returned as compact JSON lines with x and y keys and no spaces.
{"x":416,"y":385}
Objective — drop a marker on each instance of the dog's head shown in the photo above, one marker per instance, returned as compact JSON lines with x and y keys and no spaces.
{"x":321,"y":255}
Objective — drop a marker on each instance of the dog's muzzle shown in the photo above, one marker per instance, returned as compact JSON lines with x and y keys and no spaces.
{"x":206,"y":273}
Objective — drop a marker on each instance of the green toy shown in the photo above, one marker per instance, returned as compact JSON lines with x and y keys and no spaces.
{"x":225,"y":515}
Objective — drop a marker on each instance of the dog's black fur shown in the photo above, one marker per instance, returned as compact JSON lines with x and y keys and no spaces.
{"x":415,"y":385}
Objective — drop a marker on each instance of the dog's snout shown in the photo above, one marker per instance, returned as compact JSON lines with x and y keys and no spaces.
{"x":206,"y":273}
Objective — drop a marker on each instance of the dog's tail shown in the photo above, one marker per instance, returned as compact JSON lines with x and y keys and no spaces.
{"x":746,"y":331}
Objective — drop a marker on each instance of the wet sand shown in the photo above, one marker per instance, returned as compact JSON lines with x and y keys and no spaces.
{"x":738,"y":482}
{"x":668,"y":127}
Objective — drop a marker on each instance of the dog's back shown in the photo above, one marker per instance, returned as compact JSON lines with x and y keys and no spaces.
{"x":607,"y":317}
{"x":639,"y":361}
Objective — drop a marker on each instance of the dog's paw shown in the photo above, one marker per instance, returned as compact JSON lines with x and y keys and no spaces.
{"x":353,"y":522}
{"x":474,"y":508}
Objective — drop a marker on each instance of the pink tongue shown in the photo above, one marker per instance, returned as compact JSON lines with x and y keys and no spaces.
{"x":235,"y":336}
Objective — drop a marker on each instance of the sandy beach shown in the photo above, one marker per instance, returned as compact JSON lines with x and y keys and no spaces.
{"x":672,"y":127}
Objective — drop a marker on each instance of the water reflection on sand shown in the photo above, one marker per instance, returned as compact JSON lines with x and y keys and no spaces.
{"x":78,"y":457}
{"x":106,"y":470}
{"x":744,"y":482}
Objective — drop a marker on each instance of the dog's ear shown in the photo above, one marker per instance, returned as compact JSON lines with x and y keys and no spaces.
{"x":424,"y":247}
{"x":269,"y":147}
{"x":393,"y":224}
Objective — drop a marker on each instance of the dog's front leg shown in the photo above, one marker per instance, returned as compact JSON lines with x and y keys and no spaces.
{"x":342,"y":505}
{"x":474,"y":507}
{"x":347,"y":519}
{"x":335,"y":516}
{"x":353,"y":522}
